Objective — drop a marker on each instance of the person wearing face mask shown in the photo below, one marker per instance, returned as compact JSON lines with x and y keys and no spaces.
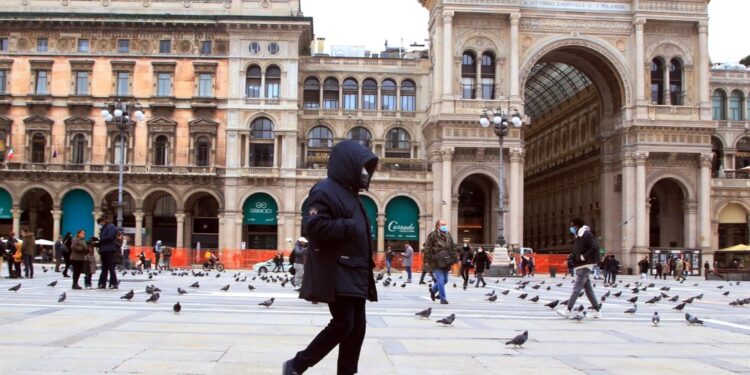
{"x":339,"y":262}
{"x":585,"y":254}
{"x":481,"y":263}
{"x":440,"y":253}
{"x":467,"y":257}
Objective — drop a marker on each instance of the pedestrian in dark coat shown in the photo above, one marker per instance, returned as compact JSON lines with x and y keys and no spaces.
{"x":338,"y":266}
{"x":466,"y":258}
{"x":28,"y":249}
{"x":14,"y":268}
{"x":107,"y":249}
{"x":67,"y":242}
{"x":481,"y":263}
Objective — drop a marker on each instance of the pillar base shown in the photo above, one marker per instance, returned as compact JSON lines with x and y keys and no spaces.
{"x":497,"y":271}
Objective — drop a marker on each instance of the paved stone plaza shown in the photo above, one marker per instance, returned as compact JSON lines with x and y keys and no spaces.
{"x":95,"y":332}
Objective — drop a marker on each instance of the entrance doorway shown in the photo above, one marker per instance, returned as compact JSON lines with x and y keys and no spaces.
{"x":475,"y":210}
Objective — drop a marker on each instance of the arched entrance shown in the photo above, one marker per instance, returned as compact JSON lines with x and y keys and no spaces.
{"x":401,"y":222}
{"x":109,"y":208}
{"x":6,"y":215}
{"x":77,"y":213}
{"x":202,"y":221}
{"x":573,"y":89}
{"x":667,"y":215}
{"x":260,"y":222}
{"x":161,"y":224}
{"x":36,"y":215}
{"x":475,"y":210}
{"x":733,"y":229}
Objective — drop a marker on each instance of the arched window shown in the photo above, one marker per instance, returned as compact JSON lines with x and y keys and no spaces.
{"x":273,"y":82}
{"x":388,"y":95}
{"x":657,"y":81}
{"x":261,"y":143}
{"x":361,"y":135}
{"x":120,"y":143}
{"x":78,"y":155}
{"x":717,"y":149}
{"x":408,"y":96}
{"x":253,"y":82}
{"x":38,"y":146}
{"x":488,"y":76}
{"x":675,"y":82}
{"x":331,"y":93}
{"x":311,"y":95}
{"x":320,"y":137}
{"x":369,"y":95}
{"x":742,"y":157}
{"x":468,"y":75}
{"x":718,"y":103}
{"x":735,"y":106}
{"x":161,"y":150}
{"x":203,"y":151}
{"x":397,"y":144}
{"x":351,"y":96}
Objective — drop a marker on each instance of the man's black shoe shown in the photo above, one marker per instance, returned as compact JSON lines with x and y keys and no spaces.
{"x":288,"y":368}
{"x":432,"y":294}
{"x":422,"y":283}
{"x":443,"y":301}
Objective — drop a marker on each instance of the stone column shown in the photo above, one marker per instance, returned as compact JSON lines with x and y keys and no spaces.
{"x":704,"y":201}
{"x":381,"y":232}
{"x":512,"y":226}
{"x":16,"y":221}
{"x":667,"y":93}
{"x":640,"y":84}
{"x":56,"y":216}
{"x":437,"y":183}
{"x":188,"y":230}
{"x":138,"y":228}
{"x":520,"y":197}
{"x":447,"y":55}
{"x":222,"y":227}
{"x":703,"y":68}
{"x":640,"y":201}
{"x":446,"y":186}
{"x":478,"y":83}
{"x":515,"y":19}
{"x":691,"y":209}
{"x":628,"y":202}
{"x":180,"y":229}
{"x":148,"y":222}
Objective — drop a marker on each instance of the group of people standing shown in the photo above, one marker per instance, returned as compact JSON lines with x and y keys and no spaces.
{"x":16,"y":252}
{"x":479,"y":261}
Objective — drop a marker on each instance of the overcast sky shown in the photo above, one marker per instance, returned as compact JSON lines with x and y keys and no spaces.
{"x":370,"y":22}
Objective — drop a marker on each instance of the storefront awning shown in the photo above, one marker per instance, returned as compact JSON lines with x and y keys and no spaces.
{"x":260,"y":209}
{"x":6,"y":204}
{"x":736,"y":248}
{"x":402,"y":219}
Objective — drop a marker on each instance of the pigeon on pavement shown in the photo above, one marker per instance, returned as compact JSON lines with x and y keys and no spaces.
{"x":680,"y":306}
{"x":579,"y":318}
{"x":632,"y":300}
{"x":632,"y":310}
{"x":505,"y":292}
{"x":267,"y":303}
{"x":519,"y":340}
{"x":52,"y":284}
{"x":523,"y":296}
{"x":250,"y":287}
{"x":154,"y":297}
{"x":447,"y":321}
{"x":15,"y":288}
{"x":689,"y":300}
{"x":129,"y":295}
{"x":424,"y":313}
{"x":534,"y":299}
{"x":181,"y":291}
{"x":492,"y":298}
{"x":225,"y":288}
{"x":177,"y":308}
{"x":692,"y":319}
{"x":655,"y":319}
{"x":553,"y":304}
{"x":725,"y":293}
{"x":62,"y":297}
{"x":675,"y":298}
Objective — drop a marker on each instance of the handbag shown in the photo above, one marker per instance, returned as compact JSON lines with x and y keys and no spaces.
{"x":17,"y":256}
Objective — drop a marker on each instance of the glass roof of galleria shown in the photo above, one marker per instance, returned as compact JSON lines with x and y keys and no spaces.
{"x":550,"y":84}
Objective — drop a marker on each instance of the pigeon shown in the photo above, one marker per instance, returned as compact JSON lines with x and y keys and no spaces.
{"x":632,"y":310}
{"x":62,"y":297}
{"x":225,"y":288}
{"x":635,"y":290}
{"x":580,"y":294}
{"x":129,"y":295}
{"x":218,"y":275}
{"x":606,"y":295}
{"x":674,"y":299}
{"x":181,"y":291}
{"x":195,"y":285}
{"x":492,"y":298}
{"x":454,"y":285}
{"x":267,"y":303}
{"x":725,"y":293}
{"x":553,"y":304}
{"x":558,"y":285}
{"x":523,"y":296}
{"x":490,"y":294}
{"x":177,"y":308}
{"x":498,"y":281}
{"x":679,"y":307}
{"x":579,"y":308}
{"x":534,"y":299}
{"x":519,"y":340}
{"x":665,"y":288}
{"x":664,"y":295}
{"x":52,"y":284}
{"x":549,"y":288}
{"x":700,"y":296}
{"x":720,"y":286}
{"x":154,"y":297}
{"x":579,"y":318}
{"x":604,"y":298}
{"x":15,"y":288}
{"x":692,"y":319}
{"x":651,"y":285}
{"x":424,"y":313}
{"x":565,"y":302}
{"x":655,"y":319}
{"x":447,"y":321}
{"x":250,"y":287}
{"x":505,"y":292}
{"x":632,"y":300}
{"x":536,"y":287}
{"x":689,"y":300}
{"x":150,"y":289}
{"x":653,"y":300}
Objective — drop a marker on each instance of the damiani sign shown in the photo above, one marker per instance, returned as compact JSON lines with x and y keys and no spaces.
{"x":585,"y":6}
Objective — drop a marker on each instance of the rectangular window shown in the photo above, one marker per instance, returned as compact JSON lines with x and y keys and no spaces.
{"x":206,"y":47}
{"x":468,"y":90}
{"x":272,"y":90}
{"x":330,"y":103}
{"x":369,"y":102}
{"x":389,"y":102}
{"x":165,"y":46}
{"x":205,"y":85}
{"x":82,"y":83}
{"x":164,"y":84}
{"x":4,"y":44}
{"x":123,"y":45}
{"x":3,"y":82}
{"x":83,"y":45}
{"x":408,"y":103}
{"x":253,"y":89}
{"x":40,"y":86}
{"x":350,"y":101}
{"x":123,"y":84}
{"x":488,"y":88}
{"x":261,"y":155}
{"x":42,"y":45}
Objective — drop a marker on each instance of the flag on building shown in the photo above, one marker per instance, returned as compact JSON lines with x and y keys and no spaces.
{"x":10,"y":154}
{"x":54,"y":153}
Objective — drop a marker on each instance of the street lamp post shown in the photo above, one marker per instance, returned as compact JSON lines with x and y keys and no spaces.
{"x":120,"y":113}
{"x":499,"y":119}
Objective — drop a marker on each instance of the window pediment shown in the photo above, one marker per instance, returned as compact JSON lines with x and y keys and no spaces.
{"x":205,"y":67}
{"x":38,"y":122}
{"x":5,"y":64}
{"x":82,"y":65}
{"x":203,"y":125}
{"x":5,"y":121}
{"x":41,"y":64}
{"x":78,"y":124}
{"x":122,"y":66}
{"x":161,"y":125}
{"x":164,"y":66}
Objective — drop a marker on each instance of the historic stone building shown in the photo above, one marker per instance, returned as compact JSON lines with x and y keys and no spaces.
{"x":625,"y":123}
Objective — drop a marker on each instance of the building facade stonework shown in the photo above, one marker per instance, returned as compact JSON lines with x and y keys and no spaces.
{"x":625,"y":123}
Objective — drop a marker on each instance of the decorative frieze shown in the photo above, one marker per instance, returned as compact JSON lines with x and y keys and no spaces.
{"x":565,"y":24}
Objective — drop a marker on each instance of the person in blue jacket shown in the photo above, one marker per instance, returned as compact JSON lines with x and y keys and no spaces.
{"x":107,"y":249}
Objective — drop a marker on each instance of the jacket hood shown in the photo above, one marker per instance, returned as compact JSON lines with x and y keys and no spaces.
{"x":346,"y":163}
{"x":582,"y":230}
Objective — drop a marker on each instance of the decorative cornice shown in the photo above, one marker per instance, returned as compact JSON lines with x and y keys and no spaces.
{"x":538,"y":23}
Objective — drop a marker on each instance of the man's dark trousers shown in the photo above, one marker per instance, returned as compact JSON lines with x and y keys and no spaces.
{"x":346,"y":329}
{"x":108,"y":266}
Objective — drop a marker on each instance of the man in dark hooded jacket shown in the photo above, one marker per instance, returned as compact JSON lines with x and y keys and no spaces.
{"x":338,"y":266}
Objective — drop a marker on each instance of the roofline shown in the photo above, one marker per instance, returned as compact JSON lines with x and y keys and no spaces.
{"x":49,"y":16}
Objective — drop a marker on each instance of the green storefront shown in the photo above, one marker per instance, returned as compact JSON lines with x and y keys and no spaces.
{"x":6,"y":216}
{"x":259,"y":219}
{"x":402,"y":223}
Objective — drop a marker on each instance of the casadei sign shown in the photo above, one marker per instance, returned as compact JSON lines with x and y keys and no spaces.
{"x":396,"y":230}
{"x":584,"y":6}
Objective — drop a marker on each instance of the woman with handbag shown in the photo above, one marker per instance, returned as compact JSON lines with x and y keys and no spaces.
{"x":14,"y":257}
{"x":79,"y":251}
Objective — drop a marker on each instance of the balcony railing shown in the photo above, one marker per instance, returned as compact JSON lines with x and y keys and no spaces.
{"x":109,"y":168}
{"x":673,"y":112}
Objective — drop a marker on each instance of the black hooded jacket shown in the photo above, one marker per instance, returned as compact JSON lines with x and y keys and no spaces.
{"x":339,"y":257}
